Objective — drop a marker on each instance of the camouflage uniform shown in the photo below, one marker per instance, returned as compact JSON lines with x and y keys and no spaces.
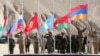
{"x":35,"y":43}
{"x":20,"y":41}
{"x":80,"y":38}
{"x":50,"y":43}
{"x":95,"y":42}
{"x":21,"y":44}
{"x":43,"y":44}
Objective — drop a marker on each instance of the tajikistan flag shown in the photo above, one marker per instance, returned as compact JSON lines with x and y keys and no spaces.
{"x":1,"y":31}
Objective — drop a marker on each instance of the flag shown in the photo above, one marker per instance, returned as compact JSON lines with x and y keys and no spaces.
{"x":10,"y":31}
{"x":1,"y":31}
{"x":5,"y":25}
{"x":32,"y":24}
{"x":5,"y":21}
{"x":79,"y":12}
{"x":60,"y":26}
{"x":17,"y":25}
{"x":48,"y":24}
{"x":20,"y":22}
{"x":61,"y":22}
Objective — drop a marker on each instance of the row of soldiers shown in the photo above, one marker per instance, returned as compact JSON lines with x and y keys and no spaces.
{"x":77,"y":43}
{"x":21,"y":43}
{"x":49,"y":41}
{"x":61,"y":42}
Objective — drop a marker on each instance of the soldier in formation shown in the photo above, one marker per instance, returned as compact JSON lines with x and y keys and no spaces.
{"x":27,"y":44}
{"x":50,"y":43}
{"x":20,"y":41}
{"x":11,"y":44}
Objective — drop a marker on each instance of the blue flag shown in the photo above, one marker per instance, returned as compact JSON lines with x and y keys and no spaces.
{"x":48,"y":24}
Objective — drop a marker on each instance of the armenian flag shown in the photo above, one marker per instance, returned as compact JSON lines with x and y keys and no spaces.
{"x":79,"y":12}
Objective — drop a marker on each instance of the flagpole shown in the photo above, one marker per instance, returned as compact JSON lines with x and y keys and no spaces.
{"x":38,"y":21}
{"x":7,"y":22}
{"x":23,"y":23}
{"x":86,"y":47}
{"x":22,"y":7}
{"x":88,"y":28}
{"x":53,"y":21}
{"x":70,"y":32}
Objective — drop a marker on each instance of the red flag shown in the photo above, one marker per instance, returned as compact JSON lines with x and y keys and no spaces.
{"x":32,"y":24}
{"x":62,"y":20}
{"x":5,"y":21}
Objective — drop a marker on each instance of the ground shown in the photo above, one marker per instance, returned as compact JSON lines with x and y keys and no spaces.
{"x":4,"y":50}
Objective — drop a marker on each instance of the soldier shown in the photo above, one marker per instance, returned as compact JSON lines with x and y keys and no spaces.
{"x":63,"y":43}
{"x":43,"y":44}
{"x":84,"y":43}
{"x":58,"y":42}
{"x":95,"y":42}
{"x":50,"y":43}
{"x":90,"y":42}
{"x":80,"y":38}
{"x":46,"y":36}
{"x":68,"y":45}
{"x":11,"y":44}
{"x":20,"y":42}
{"x":27,"y":44}
{"x":35,"y":43}
{"x":74,"y":44}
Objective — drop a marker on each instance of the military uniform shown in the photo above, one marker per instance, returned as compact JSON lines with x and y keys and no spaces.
{"x":80,"y":38}
{"x":11,"y":45}
{"x":36,"y":45}
{"x":95,"y":43}
{"x":68,"y":45}
{"x":74,"y":44}
{"x":43,"y":44}
{"x":50,"y":44}
{"x":27,"y":44}
{"x":35,"y":42}
{"x":63,"y":45}
{"x":58,"y":42}
{"x":21,"y":43}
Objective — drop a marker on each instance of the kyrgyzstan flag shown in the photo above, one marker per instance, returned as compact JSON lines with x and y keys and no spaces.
{"x":32,"y":24}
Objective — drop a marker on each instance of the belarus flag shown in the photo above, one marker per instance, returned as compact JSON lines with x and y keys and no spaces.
{"x":61,"y":22}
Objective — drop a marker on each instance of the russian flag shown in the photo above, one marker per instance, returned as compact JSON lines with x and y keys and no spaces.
{"x":17,"y":25}
{"x":20,"y":22}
